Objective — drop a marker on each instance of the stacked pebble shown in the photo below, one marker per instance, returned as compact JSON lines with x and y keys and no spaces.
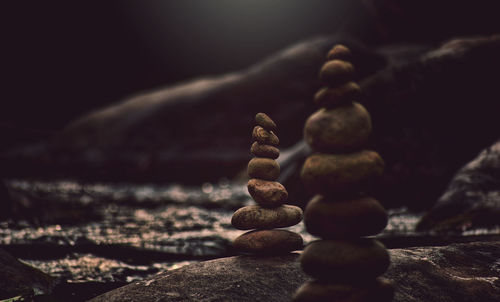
{"x":271,"y":212}
{"x":344,"y":264}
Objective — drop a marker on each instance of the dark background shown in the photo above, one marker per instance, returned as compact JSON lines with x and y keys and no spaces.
{"x":60,"y":59}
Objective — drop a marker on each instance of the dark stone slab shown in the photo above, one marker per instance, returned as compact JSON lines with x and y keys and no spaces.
{"x":19,"y":279}
{"x":458,"y":272}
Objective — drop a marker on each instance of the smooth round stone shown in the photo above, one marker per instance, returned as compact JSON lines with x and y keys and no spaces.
{"x":334,"y":96}
{"x":339,"y":52}
{"x":340,"y":260}
{"x":265,"y":121}
{"x":358,"y":217}
{"x":339,"y":173}
{"x":342,"y":129}
{"x":379,"y":290}
{"x":263,"y":168}
{"x":264,"y":137}
{"x":336,"y":72}
{"x":267,"y":242}
{"x":257,"y":217}
{"x":268,"y":194}
{"x":264,"y":150}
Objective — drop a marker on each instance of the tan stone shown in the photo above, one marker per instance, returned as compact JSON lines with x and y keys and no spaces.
{"x":339,"y":52}
{"x":341,"y":129}
{"x":264,"y":137}
{"x":358,"y":217}
{"x":257,"y":217}
{"x":267,"y":194}
{"x":337,"y":173}
{"x":266,"y":242}
{"x":264,"y":151}
{"x":336,"y":72}
{"x":345,"y":260}
{"x":334,"y":96}
{"x":263,"y":168}
{"x":265,"y":121}
{"x":378,"y":290}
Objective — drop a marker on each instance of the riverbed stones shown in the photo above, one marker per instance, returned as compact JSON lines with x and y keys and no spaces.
{"x":268,"y":242}
{"x":358,"y":217}
{"x":336,"y":72}
{"x":326,"y":173}
{"x":264,"y":150}
{"x":379,"y":289}
{"x":257,"y":217}
{"x":353,"y":259}
{"x":342,"y":129}
{"x":339,"y":52}
{"x":329,"y":97}
{"x":266,"y":193}
{"x":344,"y":264}
{"x":263,"y":168}
{"x":264,"y":137}
{"x":265,"y":121}
{"x":271,"y":212}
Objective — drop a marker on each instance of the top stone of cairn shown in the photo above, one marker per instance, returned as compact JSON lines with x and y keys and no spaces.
{"x":265,"y":121}
{"x":339,"y":52}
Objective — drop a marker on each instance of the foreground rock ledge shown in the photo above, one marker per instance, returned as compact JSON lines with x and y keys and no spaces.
{"x":458,"y":272}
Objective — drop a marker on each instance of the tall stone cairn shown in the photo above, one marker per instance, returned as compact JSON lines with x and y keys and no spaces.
{"x":345,"y":264}
{"x":271,"y":212}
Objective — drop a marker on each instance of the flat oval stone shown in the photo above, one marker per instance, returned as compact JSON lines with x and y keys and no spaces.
{"x":341,"y":129}
{"x":379,"y":290}
{"x":267,"y":194}
{"x":358,"y":217}
{"x":264,"y":137}
{"x":257,"y":217}
{"x":341,"y":260}
{"x":263,"y":168}
{"x":265,"y":121}
{"x":339,"y":173}
{"x":334,"y":96}
{"x":336,"y":72}
{"x":265,"y":242}
{"x":264,"y":150}
{"x":339,"y":52}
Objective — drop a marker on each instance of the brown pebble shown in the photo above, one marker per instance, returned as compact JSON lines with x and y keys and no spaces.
{"x":336,"y":72}
{"x":267,"y":242}
{"x":341,"y":129}
{"x":358,"y":217}
{"x":345,"y":260}
{"x":379,"y":290}
{"x":265,"y":121}
{"x":339,"y":173}
{"x":263,"y":168}
{"x":334,"y":96}
{"x":339,"y":52}
{"x":264,"y":137}
{"x":264,"y":151}
{"x":267,"y":194}
{"x":257,"y":217}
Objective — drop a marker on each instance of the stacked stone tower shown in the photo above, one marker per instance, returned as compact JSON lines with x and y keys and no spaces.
{"x":271,"y":212}
{"x":345,"y":264}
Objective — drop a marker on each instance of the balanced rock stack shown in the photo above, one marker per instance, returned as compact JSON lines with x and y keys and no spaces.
{"x":271,"y":212}
{"x":345,"y":265}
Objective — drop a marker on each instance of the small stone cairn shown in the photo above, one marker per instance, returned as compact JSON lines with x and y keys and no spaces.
{"x":345,"y":265}
{"x":271,"y":212}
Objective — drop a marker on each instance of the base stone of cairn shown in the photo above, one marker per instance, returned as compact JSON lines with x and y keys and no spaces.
{"x":271,"y":213}
{"x":345,"y":264}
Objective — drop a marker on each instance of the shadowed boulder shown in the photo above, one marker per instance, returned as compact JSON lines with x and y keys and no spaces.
{"x":19,"y":279}
{"x":458,"y":272}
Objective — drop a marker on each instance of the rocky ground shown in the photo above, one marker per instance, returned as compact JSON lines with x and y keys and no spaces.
{"x":96,"y":237}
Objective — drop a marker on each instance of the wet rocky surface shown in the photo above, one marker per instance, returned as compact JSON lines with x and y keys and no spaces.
{"x":95,"y":237}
